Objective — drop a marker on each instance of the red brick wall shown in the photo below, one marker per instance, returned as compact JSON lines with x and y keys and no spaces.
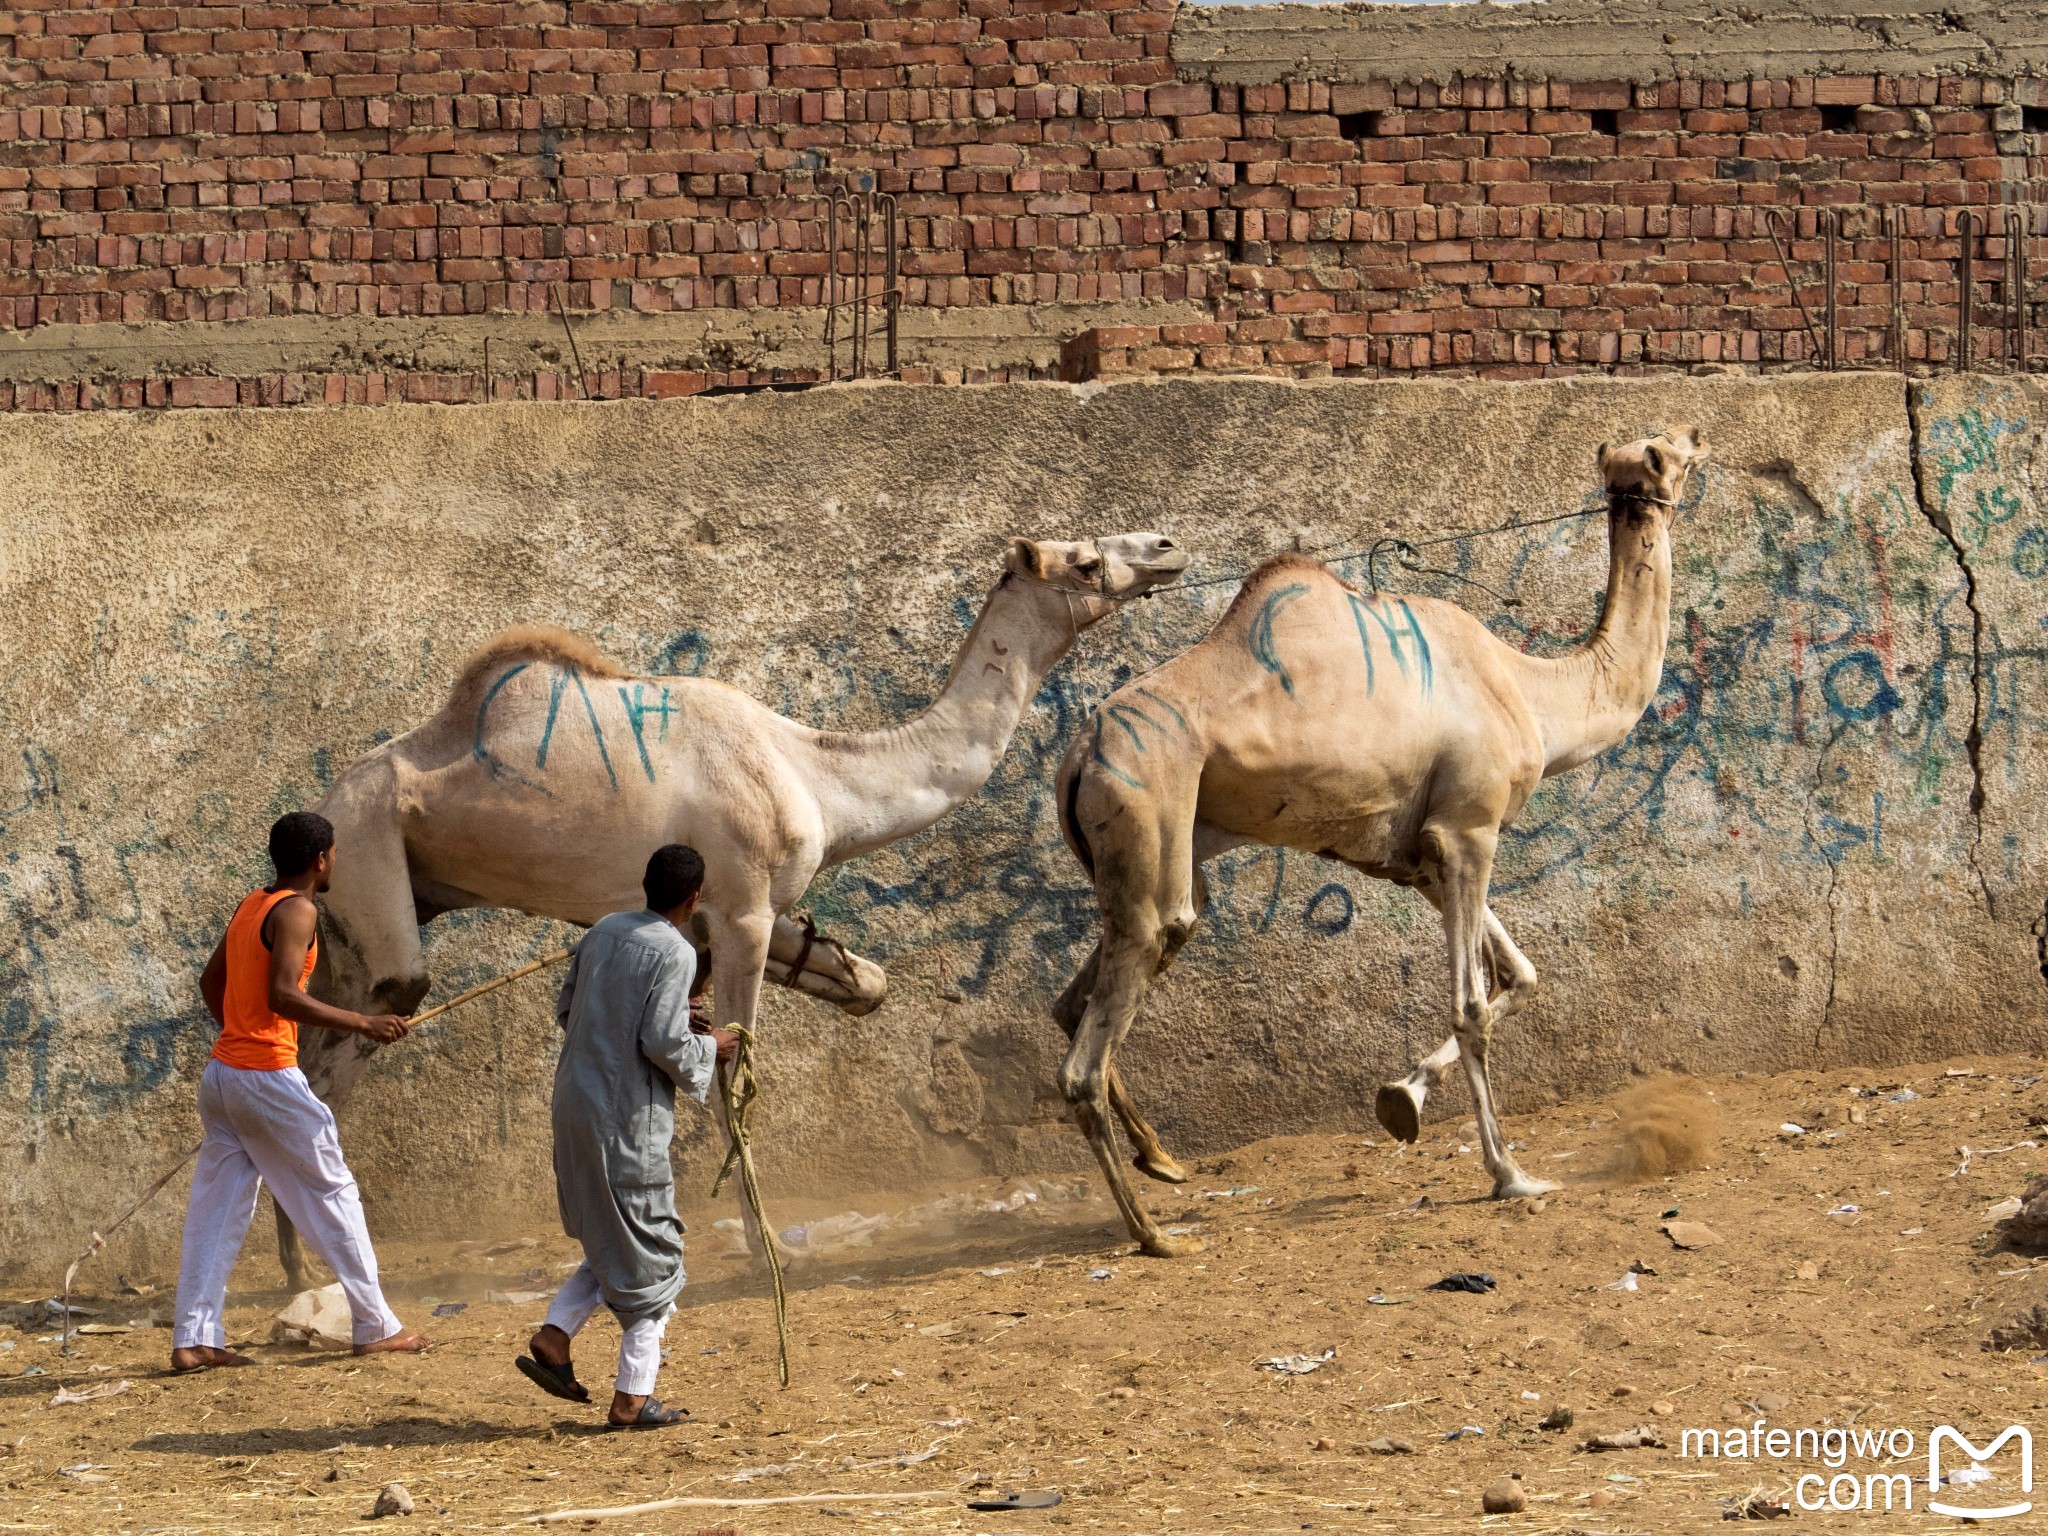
{"x":176,"y":164}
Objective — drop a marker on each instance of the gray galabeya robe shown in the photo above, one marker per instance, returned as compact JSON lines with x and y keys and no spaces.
{"x":624,"y":1010}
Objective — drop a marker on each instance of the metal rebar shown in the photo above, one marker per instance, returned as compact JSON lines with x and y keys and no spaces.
{"x":2017,"y":222}
{"x":894,"y":288}
{"x":569,"y":331}
{"x":1791,"y":282}
{"x":1895,"y":219}
{"x":1967,"y":226}
{"x":1831,"y":219}
{"x":831,"y":287}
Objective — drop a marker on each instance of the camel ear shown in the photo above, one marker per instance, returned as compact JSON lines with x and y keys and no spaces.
{"x":1606,"y":453}
{"x":1653,"y":457}
{"x":1023,"y":559}
{"x":1695,"y":446}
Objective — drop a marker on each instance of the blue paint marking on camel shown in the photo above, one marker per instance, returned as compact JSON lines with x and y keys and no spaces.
{"x":636,"y":711}
{"x":1179,"y":719}
{"x":1260,"y":640}
{"x":1364,"y":639}
{"x":1396,"y":630}
{"x":547,"y":731}
{"x":477,"y":749}
{"x":1106,"y":763}
{"x":596,"y":730}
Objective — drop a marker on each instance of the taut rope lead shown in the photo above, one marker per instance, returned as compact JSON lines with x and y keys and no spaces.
{"x":737,"y":1089}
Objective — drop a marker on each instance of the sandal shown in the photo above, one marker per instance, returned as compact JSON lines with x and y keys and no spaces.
{"x":652,"y":1416}
{"x":555,"y":1380}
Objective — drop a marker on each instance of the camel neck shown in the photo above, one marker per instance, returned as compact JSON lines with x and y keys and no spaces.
{"x":1589,"y":699}
{"x":874,"y":787}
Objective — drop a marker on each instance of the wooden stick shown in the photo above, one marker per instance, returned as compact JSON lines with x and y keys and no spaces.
{"x":618,"y":1510}
{"x":490,"y":986}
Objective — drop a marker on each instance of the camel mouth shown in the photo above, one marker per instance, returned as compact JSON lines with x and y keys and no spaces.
{"x":1158,"y":566}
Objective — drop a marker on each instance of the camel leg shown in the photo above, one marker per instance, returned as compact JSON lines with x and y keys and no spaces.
{"x":1398,"y":1106}
{"x":739,"y":952}
{"x":1149,"y":1155}
{"x":1467,"y":866}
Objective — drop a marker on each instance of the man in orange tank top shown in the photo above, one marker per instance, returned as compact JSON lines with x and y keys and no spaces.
{"x":262,"y":1123}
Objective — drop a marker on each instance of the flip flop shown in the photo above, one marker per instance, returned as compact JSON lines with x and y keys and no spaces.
{"x":1041,"y":1499}
{"x":555,"y":1380}
{"x":652,"y":1416}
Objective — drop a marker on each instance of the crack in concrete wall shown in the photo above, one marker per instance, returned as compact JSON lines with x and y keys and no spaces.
{"x":1973,"y":743}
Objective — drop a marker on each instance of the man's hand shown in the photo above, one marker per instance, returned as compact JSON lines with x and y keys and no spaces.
{"x":727,"y":1042}
{"x":385,"y":1028}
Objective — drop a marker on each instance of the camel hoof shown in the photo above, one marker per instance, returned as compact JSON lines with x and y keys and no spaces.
{"x":1522,"y":1187}
{"x":1163,"y":1168}
{"x":1161,"y":1246}
{"x":1399,"y":1109}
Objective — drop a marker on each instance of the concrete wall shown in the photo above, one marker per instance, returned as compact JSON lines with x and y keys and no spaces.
{"x":213,"y":611}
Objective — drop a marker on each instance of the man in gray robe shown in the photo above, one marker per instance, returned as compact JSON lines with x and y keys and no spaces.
{"x":628,"y":1043}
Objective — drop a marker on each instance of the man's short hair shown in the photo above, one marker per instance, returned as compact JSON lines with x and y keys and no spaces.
{"x":297,"y":840}
{"x":674,"y":875}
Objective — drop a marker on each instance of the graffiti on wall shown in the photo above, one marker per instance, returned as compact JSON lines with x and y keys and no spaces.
{"x":1819,"y":691}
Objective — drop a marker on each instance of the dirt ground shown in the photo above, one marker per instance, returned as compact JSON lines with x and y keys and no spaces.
{"x":1032,"y":1349}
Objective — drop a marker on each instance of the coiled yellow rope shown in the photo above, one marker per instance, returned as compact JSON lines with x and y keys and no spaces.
{"x":738,"y":1089}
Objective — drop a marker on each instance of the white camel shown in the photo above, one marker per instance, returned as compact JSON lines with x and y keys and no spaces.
{"x":551,"y":773}
{"x":1393,"y":734}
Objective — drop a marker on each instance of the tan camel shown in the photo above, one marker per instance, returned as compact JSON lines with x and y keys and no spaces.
{"x":1393,"y":734}
{"x":551,"y":773}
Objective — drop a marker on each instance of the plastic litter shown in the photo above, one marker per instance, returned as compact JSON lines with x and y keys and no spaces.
{"x":1643,"y":1435}
{"x":319,"y":1319}
{"x":1388,"y":1301}
{"x":1477,"y":1285}
{"x":1225,"y":1194}
{"x":1904,"y":1096}
{"x":451,"y":1308}
{"x":90,"y":1394}
{"x":1626,"y":1283}
{"x":1465,"y":1432}
{"x":1297,"y":1365}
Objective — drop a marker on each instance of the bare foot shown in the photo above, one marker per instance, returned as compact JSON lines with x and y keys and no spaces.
{"x":403,"y":1342}
{"x":550,"y":1345}
{"x":204,"y":1357}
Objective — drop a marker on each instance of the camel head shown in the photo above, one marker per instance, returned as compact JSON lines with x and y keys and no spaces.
{"x":1648,"y":476}
{"x":1098,"y":574}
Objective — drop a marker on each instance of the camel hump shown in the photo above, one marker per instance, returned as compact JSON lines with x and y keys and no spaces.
{"x":1280,"y":568}
{"x":538,"y":642}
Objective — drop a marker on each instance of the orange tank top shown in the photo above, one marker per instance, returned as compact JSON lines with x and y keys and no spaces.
{"x":252,"y":1037}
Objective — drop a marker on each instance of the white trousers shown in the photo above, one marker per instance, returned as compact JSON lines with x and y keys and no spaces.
{"x":268,"y":1128}
{"x":639,"y":1346}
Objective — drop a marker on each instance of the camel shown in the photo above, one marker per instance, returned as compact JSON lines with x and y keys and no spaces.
{"x":1393,"y":734}
{"x":551,"y":773}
